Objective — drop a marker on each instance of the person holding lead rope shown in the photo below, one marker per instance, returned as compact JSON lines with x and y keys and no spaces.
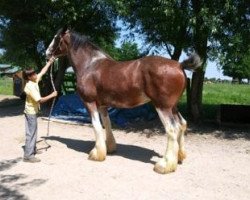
{"x":32,"y":106}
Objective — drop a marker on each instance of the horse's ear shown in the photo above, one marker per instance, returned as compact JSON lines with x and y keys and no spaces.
{"x":64,"y":29}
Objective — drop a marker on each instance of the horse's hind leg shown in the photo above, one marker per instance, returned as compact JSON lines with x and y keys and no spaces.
{"x":99,"y":152}
{"x":169,"y":161}
{"x":182,"y":130}
{"x":110,"y":140}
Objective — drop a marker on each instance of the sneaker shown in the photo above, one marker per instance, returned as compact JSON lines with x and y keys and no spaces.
{"x":31,"y":160}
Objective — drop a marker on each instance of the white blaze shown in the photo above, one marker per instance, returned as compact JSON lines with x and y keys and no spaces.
{"x":49,"y":49}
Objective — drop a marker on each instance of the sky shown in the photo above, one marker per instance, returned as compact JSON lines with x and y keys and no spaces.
{"x":213,"y":72}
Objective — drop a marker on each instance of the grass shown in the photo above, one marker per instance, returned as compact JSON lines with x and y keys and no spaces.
{"x":215,"y":94}
{"x":224,"y":93}
{"x":6,"y":86}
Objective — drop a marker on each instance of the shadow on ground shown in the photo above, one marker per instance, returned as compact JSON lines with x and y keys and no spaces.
{"x":127,"y":151}
{"x":11,"y":107}
{"x":9,"y":188}
{"x":224,"y":131}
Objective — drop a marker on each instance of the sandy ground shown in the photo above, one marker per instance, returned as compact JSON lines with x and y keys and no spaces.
{"x":217,"y":166}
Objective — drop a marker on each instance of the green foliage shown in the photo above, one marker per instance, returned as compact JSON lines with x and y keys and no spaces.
{"x":237,"y":66}
{"x":27,"y":27}
{"x":234,"y":39}
{"x":164,"y":23}
{"x":128,"y":51}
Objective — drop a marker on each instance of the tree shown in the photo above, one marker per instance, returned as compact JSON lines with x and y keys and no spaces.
{"x":129,"y":51}
{"x":246,"y":64}
{"x":27,"y":27}
{"x":234,"y":40}
{"x":183,"y":25}
{"x":238,"y":66}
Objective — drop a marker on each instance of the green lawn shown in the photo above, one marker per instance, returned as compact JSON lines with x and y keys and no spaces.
{"x":222,"y":93}
{"x":6,"y":86}
{"x":215,"y":94}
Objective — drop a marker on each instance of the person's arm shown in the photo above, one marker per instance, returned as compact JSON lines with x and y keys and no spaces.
{"x":50,"y":96}
{"x":45,"y":68}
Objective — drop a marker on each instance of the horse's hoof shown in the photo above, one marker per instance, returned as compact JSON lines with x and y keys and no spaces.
{"x":97,"y":154}
{"x":164,"y":167}
{"x":181,"y":156}
{"x":111,"y":148}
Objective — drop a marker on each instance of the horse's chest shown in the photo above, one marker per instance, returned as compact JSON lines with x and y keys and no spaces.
{"x":86,"y":88}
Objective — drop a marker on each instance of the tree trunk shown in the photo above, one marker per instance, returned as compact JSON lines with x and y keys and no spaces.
{"x":177,"y":53}
{"x":200,"y":46}
{"x":195,"y":99}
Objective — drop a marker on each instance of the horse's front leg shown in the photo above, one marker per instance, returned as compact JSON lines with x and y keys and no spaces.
{"x":110,"y":140}
{"x":99,"y":152}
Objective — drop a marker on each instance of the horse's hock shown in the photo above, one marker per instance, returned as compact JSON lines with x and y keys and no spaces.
{"x":228,"y":113}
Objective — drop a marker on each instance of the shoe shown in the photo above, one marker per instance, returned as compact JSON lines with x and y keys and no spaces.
{"x":31,"y":160}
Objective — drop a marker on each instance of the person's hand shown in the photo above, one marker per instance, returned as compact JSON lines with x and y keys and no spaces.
{"x":52,"y":59}
{"x":54,"y":94}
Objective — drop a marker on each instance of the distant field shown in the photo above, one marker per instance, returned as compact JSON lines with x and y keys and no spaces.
{"x":6,"y":86}
{"x":222,"y":93}
{"x":215,"y":94}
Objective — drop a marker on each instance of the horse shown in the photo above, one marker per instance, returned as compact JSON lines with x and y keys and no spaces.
{"x":103,"y":82}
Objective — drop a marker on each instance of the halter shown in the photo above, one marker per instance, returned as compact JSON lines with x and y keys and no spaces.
{"x":58,"y":44}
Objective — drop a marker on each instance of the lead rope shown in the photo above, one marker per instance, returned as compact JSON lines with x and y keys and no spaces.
{"x":52,"y":106}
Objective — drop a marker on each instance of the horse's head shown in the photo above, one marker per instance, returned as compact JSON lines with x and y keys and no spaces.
{"x":58,"y":46}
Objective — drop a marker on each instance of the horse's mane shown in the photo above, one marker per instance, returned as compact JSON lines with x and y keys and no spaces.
{"x":78,"y":40}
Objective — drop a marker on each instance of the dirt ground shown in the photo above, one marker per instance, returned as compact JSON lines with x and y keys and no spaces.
{"x":217,"y":166}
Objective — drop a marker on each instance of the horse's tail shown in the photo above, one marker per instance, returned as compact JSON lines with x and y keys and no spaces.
{"x":191,"y":63}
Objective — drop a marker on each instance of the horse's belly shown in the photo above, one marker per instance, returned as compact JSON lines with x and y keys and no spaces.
{"x":125,"y":100}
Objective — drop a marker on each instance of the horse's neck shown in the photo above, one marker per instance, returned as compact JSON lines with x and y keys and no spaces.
{"x":83,"y":59}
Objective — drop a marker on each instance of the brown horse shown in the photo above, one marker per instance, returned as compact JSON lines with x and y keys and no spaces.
{"x":104,"y":82}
